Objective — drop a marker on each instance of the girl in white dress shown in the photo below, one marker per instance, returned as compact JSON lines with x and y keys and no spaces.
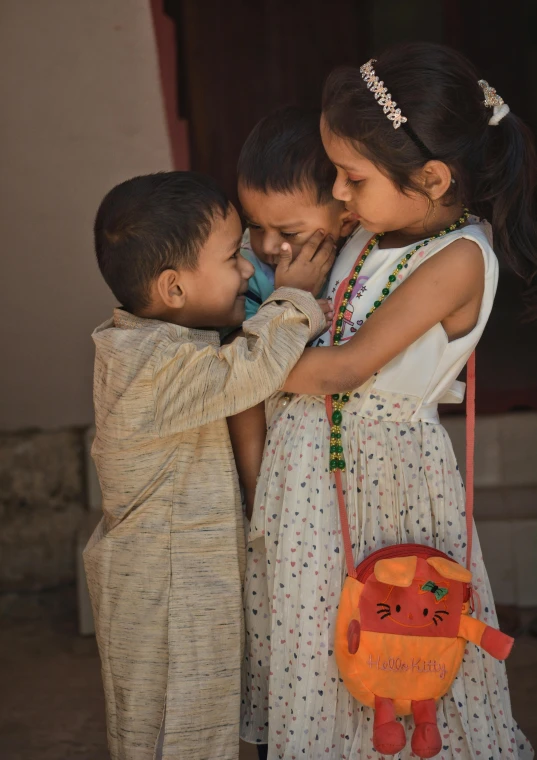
{"x":425,"y":271}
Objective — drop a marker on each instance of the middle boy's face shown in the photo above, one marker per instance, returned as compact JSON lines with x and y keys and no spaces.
{"x":276,"y":218}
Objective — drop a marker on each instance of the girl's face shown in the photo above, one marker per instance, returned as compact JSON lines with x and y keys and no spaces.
{"x":276,"y":218}
{"x":368,"y":193}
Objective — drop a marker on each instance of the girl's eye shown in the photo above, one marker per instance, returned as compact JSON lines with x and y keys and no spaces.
{"x":236,"y":254}
{"x":352,"y":182}
{"x":289,"y":234}
{"x":253,"y":226}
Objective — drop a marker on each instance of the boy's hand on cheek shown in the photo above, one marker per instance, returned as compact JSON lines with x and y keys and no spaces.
{"x":310,"y":268}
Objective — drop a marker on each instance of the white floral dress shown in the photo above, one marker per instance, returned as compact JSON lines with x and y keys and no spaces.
{"x":403,"y":485}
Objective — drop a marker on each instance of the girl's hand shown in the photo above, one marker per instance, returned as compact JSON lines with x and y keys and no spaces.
{"x":328,"y":310}
{"x":310,"y":268}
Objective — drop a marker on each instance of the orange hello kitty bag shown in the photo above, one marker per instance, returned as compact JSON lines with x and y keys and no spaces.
{"x":404,"y":619}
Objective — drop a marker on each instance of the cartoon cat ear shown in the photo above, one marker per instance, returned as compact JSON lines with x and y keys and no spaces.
{"x":399,"y":571}
{"x":451,"y":570}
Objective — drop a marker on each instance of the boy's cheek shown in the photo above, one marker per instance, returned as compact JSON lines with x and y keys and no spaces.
{"x":238,"y":316}
{"x":348,"y":225}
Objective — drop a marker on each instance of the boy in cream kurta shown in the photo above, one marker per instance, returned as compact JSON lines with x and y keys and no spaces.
{"x":165,"y":564}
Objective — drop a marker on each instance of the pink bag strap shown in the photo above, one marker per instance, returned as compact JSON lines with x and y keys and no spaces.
{"x":470,"y":448}
{"x":470,"y":451}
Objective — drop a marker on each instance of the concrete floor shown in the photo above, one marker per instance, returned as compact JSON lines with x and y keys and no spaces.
{"x":52,"y":703}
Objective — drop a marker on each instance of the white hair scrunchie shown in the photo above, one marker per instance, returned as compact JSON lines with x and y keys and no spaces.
{"x":494,"y":101}
{"x":498,"y":114}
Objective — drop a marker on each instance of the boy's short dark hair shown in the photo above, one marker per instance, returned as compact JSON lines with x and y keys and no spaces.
{"x":152,"y":223}
{"x":284,"y":152}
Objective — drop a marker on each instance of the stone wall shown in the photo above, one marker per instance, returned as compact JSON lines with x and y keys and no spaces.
{"x":48,"y":482}
{"x":505,"y":500}
{"x":42,"y":504}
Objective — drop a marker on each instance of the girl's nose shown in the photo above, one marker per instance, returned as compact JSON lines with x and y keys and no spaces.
{"x":340,"y":190}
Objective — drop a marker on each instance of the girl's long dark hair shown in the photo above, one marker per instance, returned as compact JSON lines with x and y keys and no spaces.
{"x":437,"y":90}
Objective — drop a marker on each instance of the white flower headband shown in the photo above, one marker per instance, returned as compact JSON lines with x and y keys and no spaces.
{"x":393,"y":113}
{"x":381,"y":94}
{"x":389,"y":106}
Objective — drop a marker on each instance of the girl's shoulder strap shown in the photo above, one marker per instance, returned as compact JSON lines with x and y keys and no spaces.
{"x":479,"y":232}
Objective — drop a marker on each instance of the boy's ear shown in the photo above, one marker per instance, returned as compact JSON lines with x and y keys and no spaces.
{"x":170,"y":289}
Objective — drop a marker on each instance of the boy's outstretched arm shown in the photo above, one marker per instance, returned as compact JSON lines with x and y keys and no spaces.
{"x":247,"y":431}
{"x":195,"y":383}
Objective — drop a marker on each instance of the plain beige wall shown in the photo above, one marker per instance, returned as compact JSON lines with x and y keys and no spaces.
{"x":81,"y":110}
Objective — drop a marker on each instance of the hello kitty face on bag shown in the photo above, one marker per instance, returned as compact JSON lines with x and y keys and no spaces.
{"x":414,"y":597}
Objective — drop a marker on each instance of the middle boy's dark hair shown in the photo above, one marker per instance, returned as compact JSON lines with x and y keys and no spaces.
{"x":284,"y":152}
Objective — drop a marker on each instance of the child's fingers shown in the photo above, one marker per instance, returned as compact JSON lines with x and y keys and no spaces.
{"x":309,"y":249}
{"x":326,"y":252}
{"x":327,"y":265}
{"x":285,"y":257}
{"x":327,"y":306}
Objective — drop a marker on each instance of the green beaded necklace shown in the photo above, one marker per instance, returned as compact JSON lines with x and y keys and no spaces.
{"x":337,"y":461}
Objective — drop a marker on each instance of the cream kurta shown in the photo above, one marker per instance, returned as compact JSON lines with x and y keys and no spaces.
{"x":164,"y":566}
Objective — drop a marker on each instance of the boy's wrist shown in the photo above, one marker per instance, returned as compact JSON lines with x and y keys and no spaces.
{"x":304,"y":302}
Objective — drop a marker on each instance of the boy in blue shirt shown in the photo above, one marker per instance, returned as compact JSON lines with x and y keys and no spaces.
{"x":285,"y":184}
